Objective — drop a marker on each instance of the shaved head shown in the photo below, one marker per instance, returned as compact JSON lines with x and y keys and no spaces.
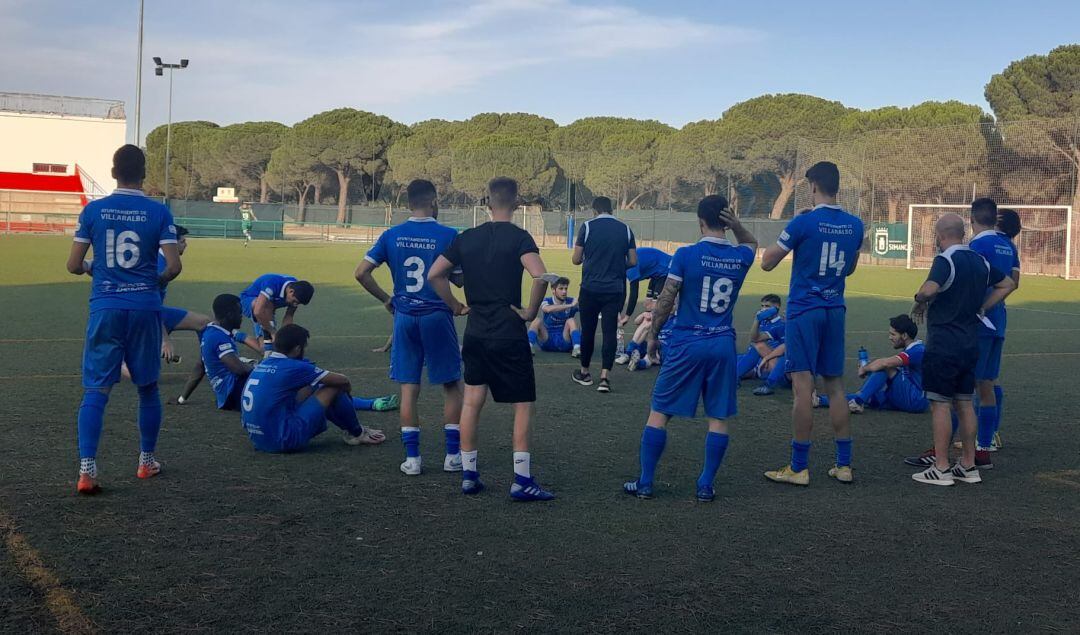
{"x":950,"y":227}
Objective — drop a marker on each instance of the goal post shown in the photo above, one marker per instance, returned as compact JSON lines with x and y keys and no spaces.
{"x":1045,"y":243}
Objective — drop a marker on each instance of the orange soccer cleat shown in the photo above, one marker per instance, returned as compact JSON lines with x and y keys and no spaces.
{"x":149,"y":470}
{"x":88,"y":485}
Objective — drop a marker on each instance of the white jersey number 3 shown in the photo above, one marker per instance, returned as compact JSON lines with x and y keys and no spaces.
{"x":716,"y":294}
{"x":831,"y":258}
{"x":416,"y":276}
{"x":121,"y":250}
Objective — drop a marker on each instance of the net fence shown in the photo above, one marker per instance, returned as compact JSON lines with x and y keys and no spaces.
{"x":31,"y":103}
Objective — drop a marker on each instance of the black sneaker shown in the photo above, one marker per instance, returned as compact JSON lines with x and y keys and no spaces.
{"x":926,"y":459}
{"x":605,"y":385}
{"x":585,"y":379}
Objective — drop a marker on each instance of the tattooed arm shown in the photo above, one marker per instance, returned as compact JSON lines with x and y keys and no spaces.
{"x":665,"y":305}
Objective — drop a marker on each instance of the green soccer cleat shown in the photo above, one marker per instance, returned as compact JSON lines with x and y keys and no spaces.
{"x":386,"y":404}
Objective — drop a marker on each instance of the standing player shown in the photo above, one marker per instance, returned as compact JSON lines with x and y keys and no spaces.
{"x":496,"y":348}
{"x":268,"y":293}
{"x":247,"y":221}
{"x":893,"y":383}
{"x":555,"y":329}
{"x":826,"y":241}
{"x":125,"y":228}
{"x":699,"y":362}
{"x":424,"y":331}
{"x":287,"y":400}
{"x":1001,"y":254}
{"x":1009,"y":226}
{"x":955,"y":291}
{"x":652,"y":265}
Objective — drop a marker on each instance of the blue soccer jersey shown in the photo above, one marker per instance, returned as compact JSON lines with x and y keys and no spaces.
{"x":912,"y":359}
{"x":270,"y":397}
{"x":651,"y":263}
{"x":774,"y":328}
{"x":1000,"y":252}
{"x":409,"y":249}
{"x":125,"y":230}
{"x":711,"y":272}
{"x":556,"y":320}
{"x":826,"y":241}
{"x":215,"y":343}
{"x":271,"y":285}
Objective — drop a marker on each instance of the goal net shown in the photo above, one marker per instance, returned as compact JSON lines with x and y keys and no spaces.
{"x":1046,"y":242}
{"x":527,"y":217}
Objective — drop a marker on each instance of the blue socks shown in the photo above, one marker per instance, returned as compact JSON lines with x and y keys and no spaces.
{"x":652,"y":446}
{"x":631,"y":347}
{"x":149,"y":417}
{"x":452,"y":431}
{"x":875,"y":383}
{"x":410,"y":438}
{"x":777,"y":376}
{"x":715,"y":447}
{"x":575,"y":338}
{"x":91,"y":420}
{"x":533,"y":338}
{"x":987,"y":418}
{"x":999,"y":397}
{"x":747,"y":362}
{"x":843,"y":452}
{"x":800,"y":455}
{"x":359,"y":403}
{"x":342,"y":414}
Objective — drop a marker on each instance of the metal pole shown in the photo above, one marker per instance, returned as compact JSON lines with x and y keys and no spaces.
{"x":168,"y":141}
{"x":138,"y":80}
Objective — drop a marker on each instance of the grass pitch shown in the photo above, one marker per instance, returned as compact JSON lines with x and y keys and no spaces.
{"x":336,"y":538}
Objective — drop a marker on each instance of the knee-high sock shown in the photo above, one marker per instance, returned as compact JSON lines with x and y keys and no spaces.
{"x":91,"y":420}
{"x":777,"y":376}
{"x":342,"y":414}
{"x":652,"y":446}
{"x":999,"y":396}
{"x":800,"y":455}
{"x":534,"y":338}
{"x":987,"y":416}
{"x":360,"y":403}
{"x":575,"y":337}
{"x":843,"y":452}
{"x":410,"y":438}
{"x":715,"y":446}
{"x":747,"y":362}
{"x":452,"y":432}
{"x":875,"y":383}
{"x":149,"y":416}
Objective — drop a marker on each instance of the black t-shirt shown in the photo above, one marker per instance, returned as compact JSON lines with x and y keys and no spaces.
{"x":952,"y":319}
{"x":490,"y":261}
{"x":606,"y":241}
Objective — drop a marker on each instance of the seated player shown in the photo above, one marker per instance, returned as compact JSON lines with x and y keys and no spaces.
{"x":892,"y":383}
{"x":636,"y":355}
{"x":555,"y":330}
{"x":287,"y":400}
{"x":268,"y":293}
{"x":764,"y":358}
{"x":704,"y":281}
{"x":652,"y":265}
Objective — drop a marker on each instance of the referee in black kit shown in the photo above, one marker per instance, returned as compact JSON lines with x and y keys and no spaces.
{"x":605,"y":248}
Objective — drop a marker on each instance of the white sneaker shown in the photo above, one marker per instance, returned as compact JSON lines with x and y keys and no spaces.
{"x":452,"y":463}
{"x":412,"y":466}
{"x":576,"y":352}
{"x":934,"y":476}
{"x":815,"y":399}
{"x":635,"y":357}
{"x":622,"y":358}
{"x":854,"y":407}
{"x":966,"y":474}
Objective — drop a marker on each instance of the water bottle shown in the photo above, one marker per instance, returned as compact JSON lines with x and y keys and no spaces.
{"x":864,"y":357}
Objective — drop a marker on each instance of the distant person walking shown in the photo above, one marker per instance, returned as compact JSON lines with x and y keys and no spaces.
{"x":605,"y":249}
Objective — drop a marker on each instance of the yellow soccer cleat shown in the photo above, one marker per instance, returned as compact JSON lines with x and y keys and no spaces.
{"x":787,"y":475}
{"x":842,"y":473}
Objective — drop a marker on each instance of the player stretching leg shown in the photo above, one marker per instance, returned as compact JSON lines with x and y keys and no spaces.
{"x":826,"y":241}
{"x":125,"y":229}
{"x":699,"y":364}
{"x":496,"y":351}
{"x":287,"y":400}
{"x":268,"y":293}
{"x":424,"y":331}
{"x":555,"y":330}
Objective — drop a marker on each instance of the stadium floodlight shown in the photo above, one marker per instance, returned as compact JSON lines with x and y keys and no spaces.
{"x":159,"y":70}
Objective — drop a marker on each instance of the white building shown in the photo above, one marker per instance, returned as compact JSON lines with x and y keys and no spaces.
{"x":48,"y":134}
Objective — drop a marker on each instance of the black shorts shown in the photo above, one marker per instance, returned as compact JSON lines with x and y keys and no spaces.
{"x":950,"y":375}
{"x":504,"y":366}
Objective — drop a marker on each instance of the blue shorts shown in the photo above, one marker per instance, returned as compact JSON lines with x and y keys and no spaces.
{"x":989,"y":366}
{"x":697,"y":369}
{"x":296,"y":428}
{"x":171,"y":317}
{"x":555,"y":343}
{"x":815,"y":342}
{"x":121,"y":336}
{"x":245,"y":305}
{"x":429,"y":339}
{"x":903,"y":395}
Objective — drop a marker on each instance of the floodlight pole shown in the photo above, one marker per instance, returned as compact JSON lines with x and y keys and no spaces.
{"x":159,"y":71}
{"x":138,"y":80}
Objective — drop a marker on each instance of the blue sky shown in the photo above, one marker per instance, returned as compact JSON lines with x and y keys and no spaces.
{"x":676,"y":61}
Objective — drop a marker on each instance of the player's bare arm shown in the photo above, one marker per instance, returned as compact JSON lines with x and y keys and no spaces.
{"x":290,"y":312}
{"x":578,"y":256}
{"x":366,"y":280}
{"x":1002,"y":289}
{"x":76,"y":263}
{"x":883,"y":363}
{"x":173,"y":265}
{"x":926,"y":294}
{"x":535,"y":266}
{"x":263,"y":311}
{"x":631,"y":258}
{"x":439,"y":277}
{"x":743,"y":236}
{"x":665,"y":306}
{"x":337,"y":380}
{"x":772,"y":257}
